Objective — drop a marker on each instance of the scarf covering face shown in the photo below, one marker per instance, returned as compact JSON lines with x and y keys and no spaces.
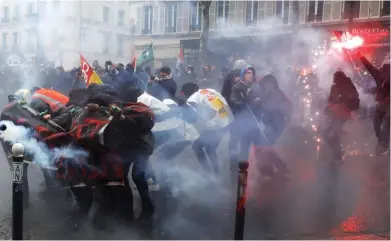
{"x":166,"y":77}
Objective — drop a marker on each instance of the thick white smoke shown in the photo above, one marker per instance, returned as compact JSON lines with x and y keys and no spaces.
{"x":279,"y":46}
{"x":40,"y":153}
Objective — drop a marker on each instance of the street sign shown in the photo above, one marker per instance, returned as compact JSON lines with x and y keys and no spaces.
{"x":17,"y":172}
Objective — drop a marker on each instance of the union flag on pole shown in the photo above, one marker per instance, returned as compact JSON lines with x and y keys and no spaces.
{"x":89,"y":75}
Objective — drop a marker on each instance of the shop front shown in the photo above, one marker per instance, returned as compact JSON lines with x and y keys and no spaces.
{"x":376,"y":36}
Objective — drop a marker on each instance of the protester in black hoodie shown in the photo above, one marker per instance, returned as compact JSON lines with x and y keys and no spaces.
{"x":381,"y":121}
{"x":164,"y":87}
{"x":275,"y":108}
{"x":244,"y":98}
{"x":343,"y":99}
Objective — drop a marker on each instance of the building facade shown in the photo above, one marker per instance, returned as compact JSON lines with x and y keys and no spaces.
{"x":60,"y":30}
{"x":171,"y":25}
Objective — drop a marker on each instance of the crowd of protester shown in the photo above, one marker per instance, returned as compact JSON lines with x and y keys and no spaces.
{"x":260,"y":108}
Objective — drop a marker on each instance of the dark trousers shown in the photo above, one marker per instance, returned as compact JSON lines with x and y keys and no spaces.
{"x":331,"y":130}
{"x":139,"y":176}
{"x":381,"y":124}
{"x":250,"y":136}
{"x":205,"y":147}
{"x":234,"y":143}
{"x":172,"y":145}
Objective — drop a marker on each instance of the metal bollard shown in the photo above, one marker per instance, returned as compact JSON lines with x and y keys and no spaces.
{"x":241,"y":200}
{"x":17,"y":191}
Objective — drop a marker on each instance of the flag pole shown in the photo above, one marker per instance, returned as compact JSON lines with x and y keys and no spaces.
{"x":81,"y":24}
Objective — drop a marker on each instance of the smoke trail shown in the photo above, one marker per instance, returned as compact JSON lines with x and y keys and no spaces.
{"x":41,"y":154}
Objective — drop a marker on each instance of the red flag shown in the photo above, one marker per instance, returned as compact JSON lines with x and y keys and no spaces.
{"x":133,"y":62}
{"x":89,"y":75}
{"x":181,"y":59}
{"x":181,"y":56}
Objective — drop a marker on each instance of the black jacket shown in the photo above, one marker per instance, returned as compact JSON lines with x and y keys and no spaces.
{"x":103,"y":95}
{"x":382,"y":78}
{"x":163,"y":89}
{"x":242,"y":97}
{"x":227,"y":85}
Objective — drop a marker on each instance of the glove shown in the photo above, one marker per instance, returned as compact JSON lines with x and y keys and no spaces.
{"x":92,"y":107}
{"x":115,"y":110}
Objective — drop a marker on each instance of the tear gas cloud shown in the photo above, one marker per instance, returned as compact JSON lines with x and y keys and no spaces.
{"x":40,"y":153}
{"x":59,"y":33}
{"x":276,"y":49}
{"x":216,"y":194}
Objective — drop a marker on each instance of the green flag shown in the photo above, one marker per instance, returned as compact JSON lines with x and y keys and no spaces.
{"x":145,"y":57}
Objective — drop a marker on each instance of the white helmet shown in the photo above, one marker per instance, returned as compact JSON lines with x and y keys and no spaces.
{"x":24,"y":94}
{"x":240,"y":64}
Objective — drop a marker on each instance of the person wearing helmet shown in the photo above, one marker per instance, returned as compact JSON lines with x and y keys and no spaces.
{"x":51,"y":104}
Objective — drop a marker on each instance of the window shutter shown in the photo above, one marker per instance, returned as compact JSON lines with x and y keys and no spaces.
{"x":270,"y":9}
{"x":185,"y":14}
{"x":212,"y":15}
{"x":336,"y":10}
{"x":364,"y":9}
{"x":155,"y":19}
{"x":231,"y":13}
{"x":261,"y":11}
{"x":179,"y":19}
{"x":240,"y":8}
{"x":374,"y":9}
{"x":139,"y":20}
{"x":162,"y":18}
{"x":302,"y":11}
{"x":327,"y":7}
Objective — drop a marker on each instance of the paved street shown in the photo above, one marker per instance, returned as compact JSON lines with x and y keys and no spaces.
{"x":203,"y":208}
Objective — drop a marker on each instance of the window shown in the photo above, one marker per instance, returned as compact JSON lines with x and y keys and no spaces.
{"x":171,"y":13}
{"x":315,"y":11}
{"x":15,"y":38}
{"x":196,"y":16}
{"x":6,"y":14}
{"x":319,"y":11}
{"x":4,"y":40}
{"x":222,"y":9}
{"x":106,"y":38}
{"x":121,"y":17}
{"x":120,"y":46}
{"x":282,"y":10}
{"x":29,"y":8}
{"x":285,"y":14}
{"x":279,"y":8}
{"x":42,"y":8}
{"x":16,"y":13}
{"x":106,"y":14}
{"x":251,"y":12}
{"x":147,"y":28}
{"x":385,"y":11}
{"x":351,"y":7}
